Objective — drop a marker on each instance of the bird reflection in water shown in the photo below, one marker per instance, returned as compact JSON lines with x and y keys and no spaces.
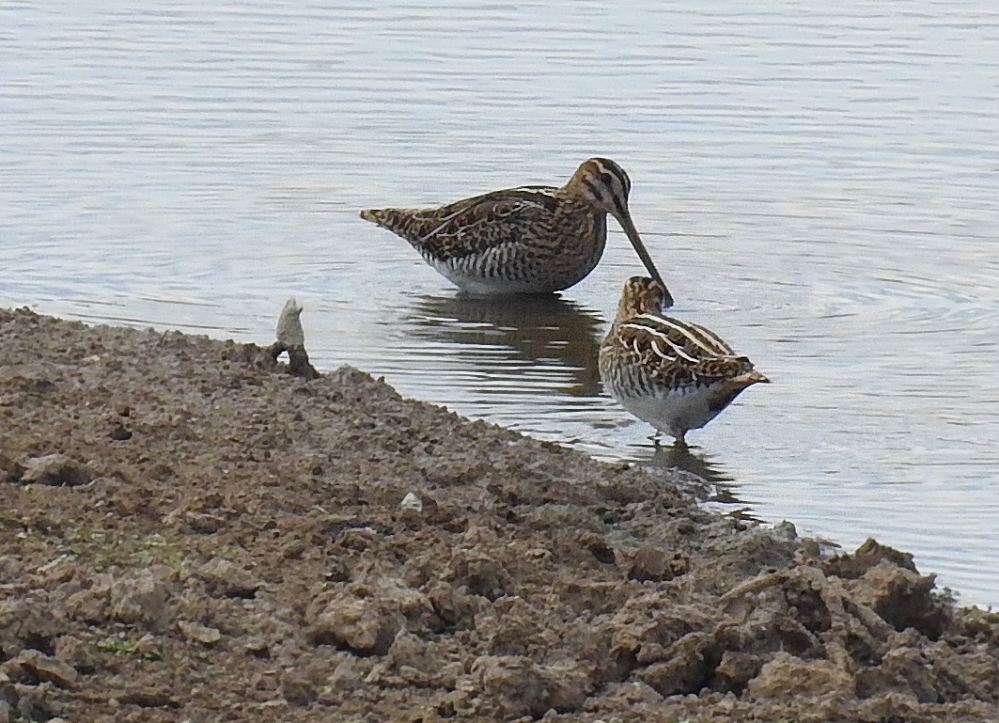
{"x":707,"y":484}
{"x":537,"y":329}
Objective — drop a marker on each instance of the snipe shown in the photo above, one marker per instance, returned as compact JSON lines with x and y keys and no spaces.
{"x":672,"y":374}
{"x":527,"y":240}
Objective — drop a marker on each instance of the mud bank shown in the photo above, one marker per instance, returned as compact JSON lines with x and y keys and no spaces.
{"x":187,"y":532}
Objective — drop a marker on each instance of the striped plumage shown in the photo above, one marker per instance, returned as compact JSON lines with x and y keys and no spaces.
{"x":672,"y":374}
{"x":527,"y":240}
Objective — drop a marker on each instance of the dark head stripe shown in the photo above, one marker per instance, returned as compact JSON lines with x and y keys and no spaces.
{"x":609,"y":166}
{"x":590,"y":187}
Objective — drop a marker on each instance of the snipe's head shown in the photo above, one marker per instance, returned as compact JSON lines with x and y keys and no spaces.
{"x":641,"y":295}
{"x":606,"y":186}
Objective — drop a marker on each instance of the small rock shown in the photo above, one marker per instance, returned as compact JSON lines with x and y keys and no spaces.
{"x":91,"y":604}
{"x":120,"y":433}
{"x":634,"y":694}
{"x":61,"y":569}
{"x":226,"y":579}
{"x":411,"y":502}
{"x":904,"y":599}
{"x":360,"y":624}
{"x":601,"y":551}
{"x":297,"y":690}
{"x":891,"y":706}
{"x":735,"y":670}
{"x":56,"y":470}
{"x":478,"y":572}
{"x":141,"y":595}
{"x":10,"y":471}
{"x":34,"y":701}
{"x":568,"y":684}
{"x":511,"y":686}
{"x":33,"y":667}
{"x":454,"y":605}
{"x":348,"y":675}
{"x":410,"y":651}
{"x":27,"y":621}
{"x":294,"y":550}
{"x":149,"y":698}
{"x":338,"y":570}
{"x":291,"y":339}
{"x":289,"y":330}
{"x":148,"y":647}
{"x":75,"y":652}
{"x":651,"y":564}
{"x":200,"y":633}
{"x":808,"y":679}
{"x":257,"y":647}
{"x":786,"y":531}
{"x":204,"y":523}
{"x":868,"y":555}
{"x":685,"y":667}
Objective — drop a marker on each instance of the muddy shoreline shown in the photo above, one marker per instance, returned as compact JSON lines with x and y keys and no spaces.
{"x":188,"y":532}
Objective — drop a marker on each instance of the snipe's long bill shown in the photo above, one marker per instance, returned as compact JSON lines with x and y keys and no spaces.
{"x":672,"y":374}
{"x":527,"y":240}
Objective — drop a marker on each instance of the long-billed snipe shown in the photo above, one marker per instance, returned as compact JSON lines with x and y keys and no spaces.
{"x":670,"y":373}
{"x":526,"y":240}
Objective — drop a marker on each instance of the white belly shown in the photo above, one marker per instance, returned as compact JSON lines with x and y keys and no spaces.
{"x":479,"y":286}
{"x":673,"y":412}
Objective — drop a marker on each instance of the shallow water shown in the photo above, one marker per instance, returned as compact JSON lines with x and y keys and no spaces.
{"x":819,"y":187}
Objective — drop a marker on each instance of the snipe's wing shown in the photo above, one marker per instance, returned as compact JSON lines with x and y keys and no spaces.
{"x":474,"y":225}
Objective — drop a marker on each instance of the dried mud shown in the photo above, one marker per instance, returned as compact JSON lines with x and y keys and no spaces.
{"x":189,"y":533}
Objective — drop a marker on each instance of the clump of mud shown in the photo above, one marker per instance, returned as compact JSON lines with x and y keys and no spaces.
{"x":187,"y":532}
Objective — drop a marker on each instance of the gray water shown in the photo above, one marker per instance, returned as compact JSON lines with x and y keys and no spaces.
{"x":819,"y":186}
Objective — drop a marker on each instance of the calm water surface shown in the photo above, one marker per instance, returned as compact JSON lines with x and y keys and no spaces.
{"x":819,"y":186}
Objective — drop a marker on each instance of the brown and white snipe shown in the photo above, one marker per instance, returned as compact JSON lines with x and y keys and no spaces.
{"x":527,"y":240}
{"x":672,"y":374}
